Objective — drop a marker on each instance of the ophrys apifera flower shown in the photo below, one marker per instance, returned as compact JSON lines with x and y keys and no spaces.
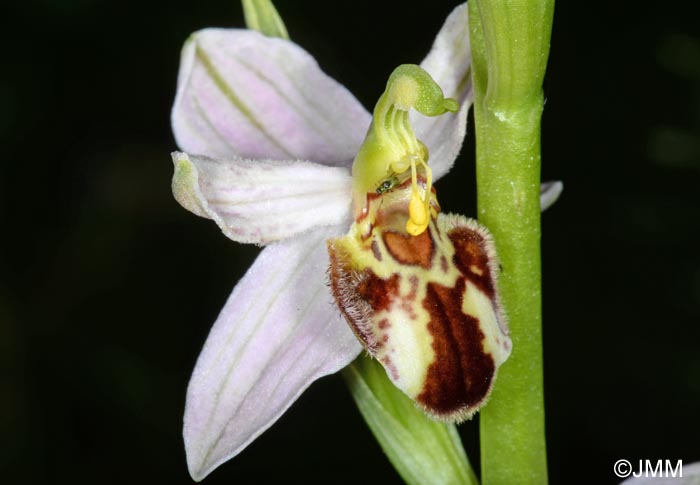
{"x":269,"y":142}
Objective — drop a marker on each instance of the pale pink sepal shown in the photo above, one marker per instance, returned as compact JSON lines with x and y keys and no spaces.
{"x":449,"y":63}
{"x":243,"y":94}
{"x":549,"y":193}
{"x":261,"y":201}
{"x":278,"y":332}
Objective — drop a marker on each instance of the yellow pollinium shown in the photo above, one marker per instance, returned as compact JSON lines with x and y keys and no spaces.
{"x":418,"y":216}
{"x":391,"y":147}
{"x":419,"y":209}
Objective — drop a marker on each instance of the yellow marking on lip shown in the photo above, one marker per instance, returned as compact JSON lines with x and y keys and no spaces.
{"x":476,"y":304}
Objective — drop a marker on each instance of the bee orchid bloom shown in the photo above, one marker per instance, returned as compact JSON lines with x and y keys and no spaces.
{"x":268,"y":142}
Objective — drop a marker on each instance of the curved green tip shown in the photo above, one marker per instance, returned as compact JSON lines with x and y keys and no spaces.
{"x":390,"y":140}
{"x":410,"y":82}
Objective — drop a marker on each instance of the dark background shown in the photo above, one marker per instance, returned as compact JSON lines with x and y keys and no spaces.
{"x":108,"y":287}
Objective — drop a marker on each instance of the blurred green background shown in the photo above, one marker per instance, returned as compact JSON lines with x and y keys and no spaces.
{"x":108,"y":287}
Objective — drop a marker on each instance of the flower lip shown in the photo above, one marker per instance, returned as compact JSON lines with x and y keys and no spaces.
{"x":425,"y":306}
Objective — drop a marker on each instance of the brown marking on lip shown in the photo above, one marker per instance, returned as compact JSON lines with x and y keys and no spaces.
{"x":472,"y":258}
{"x":371,"y":196}
{"x":408,"y":308}
{"x":381,"y":343}
{"x":414,"y":287}
{"x":407,"y":249}
{"x":383,"y":323}
{"x":443,"y":264}
{"x":378,"y":292}
{"x":460,"y":377}
{"x":390,"y":367}
{"x":359,"y":294}
{"x":375,"y":250}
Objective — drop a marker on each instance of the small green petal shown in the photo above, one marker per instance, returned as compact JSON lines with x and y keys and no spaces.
{"x":261,"y":15}
{"x":185,"y":185}
{"x":422,"y":450}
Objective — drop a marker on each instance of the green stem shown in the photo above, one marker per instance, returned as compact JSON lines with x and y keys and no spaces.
{"x":510,"y":45}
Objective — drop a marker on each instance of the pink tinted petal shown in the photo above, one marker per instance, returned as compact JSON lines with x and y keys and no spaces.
{"x":549,"y":193}
{"x":278,"y":332}
{"x":243,"y":94}
{"x":261,"y":201}
{"x":449,"y":63}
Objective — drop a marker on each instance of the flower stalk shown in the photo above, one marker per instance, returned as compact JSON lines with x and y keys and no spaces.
{"x":510,"y":44}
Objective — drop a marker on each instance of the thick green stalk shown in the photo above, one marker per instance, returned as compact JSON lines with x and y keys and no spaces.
{"x":510,"y":45}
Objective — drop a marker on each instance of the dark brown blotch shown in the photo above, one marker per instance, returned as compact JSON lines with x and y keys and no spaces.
{"x":471,"y":252}
{"x":443,"y":264}
{"x":375,"y":250}
{"x":460,"y":377}
{"x":414,"y":288}
{"x":378,"y":292}
{"x":360,"y":294}
{"x":412,"y":250}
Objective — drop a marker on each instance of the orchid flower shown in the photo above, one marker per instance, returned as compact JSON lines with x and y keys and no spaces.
{"x":268,"y":142}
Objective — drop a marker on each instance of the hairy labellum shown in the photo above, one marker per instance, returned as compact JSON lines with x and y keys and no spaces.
{"x":426,"y":306}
